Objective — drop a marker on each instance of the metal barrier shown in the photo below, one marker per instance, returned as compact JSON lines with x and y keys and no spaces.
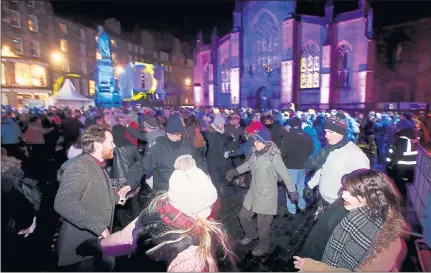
{"x":419,"y":200}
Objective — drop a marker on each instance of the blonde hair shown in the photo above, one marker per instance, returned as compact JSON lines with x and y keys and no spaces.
{"x":203,"y":229}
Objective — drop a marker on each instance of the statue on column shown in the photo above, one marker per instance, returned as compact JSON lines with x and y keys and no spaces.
{"x":103,"y":43}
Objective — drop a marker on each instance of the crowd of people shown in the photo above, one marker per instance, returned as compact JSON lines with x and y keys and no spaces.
{"x":103,"y":161}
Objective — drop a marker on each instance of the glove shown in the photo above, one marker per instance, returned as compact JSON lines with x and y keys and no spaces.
{"x":307,"y":193}
{"x":294,"y":196}
{"x":226,"y":154}
{"x":231,"y":174}
{"x":90,"y":247}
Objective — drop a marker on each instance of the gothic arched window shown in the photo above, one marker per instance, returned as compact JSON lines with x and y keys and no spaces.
{"x":310,"y":67}
{"x":266,"y":46}
{"x":225,"y":77}
{"x":343,"y":70}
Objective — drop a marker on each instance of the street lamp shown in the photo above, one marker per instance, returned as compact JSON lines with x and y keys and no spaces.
{"x":187,"y":82}
{"x":57,"y":57}
{"x":119,"y":69}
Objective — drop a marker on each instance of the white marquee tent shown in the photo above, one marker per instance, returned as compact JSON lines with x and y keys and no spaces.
{"x":68,"y":96}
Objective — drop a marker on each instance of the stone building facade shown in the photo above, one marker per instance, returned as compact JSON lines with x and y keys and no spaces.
{"x":274,"y":56}
{"x":40,"y":49}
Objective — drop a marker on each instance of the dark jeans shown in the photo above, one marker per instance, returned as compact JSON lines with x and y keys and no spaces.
{"x":263,"y":227}
{"x":95,"y":264}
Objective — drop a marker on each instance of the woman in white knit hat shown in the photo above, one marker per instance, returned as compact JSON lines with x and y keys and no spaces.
{"x":176,"y":232}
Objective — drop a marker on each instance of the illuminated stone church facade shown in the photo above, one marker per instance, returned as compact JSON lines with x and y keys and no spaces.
{"x":273,"y":57}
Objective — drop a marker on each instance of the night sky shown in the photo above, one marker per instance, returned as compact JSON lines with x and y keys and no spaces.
{"x":185,"y":18}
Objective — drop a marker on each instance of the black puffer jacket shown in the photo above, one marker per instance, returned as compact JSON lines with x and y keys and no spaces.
{"x":124,"y":158}
{"x":125,"y":153}
{"x":160,"y":160}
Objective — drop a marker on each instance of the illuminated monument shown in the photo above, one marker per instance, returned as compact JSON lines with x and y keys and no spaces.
{"x":274,"y":56}
{"x":107,"y":92}
{"x":142,"y":81}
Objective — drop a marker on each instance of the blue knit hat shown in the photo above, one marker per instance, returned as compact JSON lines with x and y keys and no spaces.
{"x":174,"y":126}
{"x":263,"y":135}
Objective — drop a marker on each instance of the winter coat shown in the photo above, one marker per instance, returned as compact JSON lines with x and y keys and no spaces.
{"x":263,"y":193}
{"x":277,"y":133}
{"x":160,"y":160}
{"x":389,"y":260}
{"x":244,"y":149}
{"x":35,"y":134}
{"x":217,"y":144}
{"x":237,"y":133}
{"x":316,"y":142}
{"x":297,"y":148}
{"x":86,"y":201}
{"x":124,"y":158}
{"x":10,"y":132}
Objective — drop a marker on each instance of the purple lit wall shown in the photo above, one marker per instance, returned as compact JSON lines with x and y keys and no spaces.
{"x":271,"y":59}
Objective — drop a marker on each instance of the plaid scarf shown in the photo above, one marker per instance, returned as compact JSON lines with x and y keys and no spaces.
{"x":173,"y":217}
{"x":316,"y":162}
{"x":351,"y":240}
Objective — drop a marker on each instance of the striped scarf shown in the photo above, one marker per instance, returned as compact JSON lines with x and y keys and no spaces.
{"x":352,"y":238}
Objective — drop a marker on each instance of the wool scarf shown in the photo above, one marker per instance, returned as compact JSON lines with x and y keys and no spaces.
{"x":316,"y":162}
{"x":352,"y":239}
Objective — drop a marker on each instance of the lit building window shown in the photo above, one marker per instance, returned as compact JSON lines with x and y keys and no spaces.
{"x":343,"y":66}
{"x":130,"y":46}
{"x":130,"y":58}
{"x":63,"y":28}
{"x":17,"y":45}
{"x":32,"y":23}
{"x":98,"y":55}
{"x":266,"y":48}
{"x":113,"y":43}
{"x":310,"y":67}
{"x":63,"y":45}
{"x":30,"y":75}
{"x":114,"y":57}
{"x":135,"y":48}
{"x":35,"y":49}
{"x":92,"y":88}
{"x":38,"y":75}
{"x":225,"y":77}
{"x":3,"y":74}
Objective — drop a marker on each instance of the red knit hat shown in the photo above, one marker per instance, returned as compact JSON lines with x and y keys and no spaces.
{"x":253,"y":127}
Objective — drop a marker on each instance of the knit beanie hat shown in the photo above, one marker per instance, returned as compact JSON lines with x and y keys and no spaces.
{"x":253,"y":127}
{"x":219,"y":120}
{"x":190,"y":189}
{"x":295,"y":122}
{"x":263,"y":135}
{"x":337,"y":123}
{"x":151,"y":123}
{"x":174,"y":126}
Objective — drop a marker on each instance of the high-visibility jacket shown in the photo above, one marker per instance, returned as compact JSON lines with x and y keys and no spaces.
{"x":402,"y":154}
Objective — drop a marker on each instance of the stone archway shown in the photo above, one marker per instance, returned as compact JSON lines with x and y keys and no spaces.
{"x":263,"y":98}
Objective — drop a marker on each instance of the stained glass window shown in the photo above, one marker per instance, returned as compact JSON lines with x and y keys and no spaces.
{"x":310,"y":67}
{"x":266,"y":47}
{"x":225,"y":77}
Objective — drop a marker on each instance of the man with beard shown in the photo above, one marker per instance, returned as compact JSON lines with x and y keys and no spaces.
{"x":86,"y":201}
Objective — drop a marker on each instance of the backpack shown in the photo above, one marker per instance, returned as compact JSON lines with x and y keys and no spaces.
{"x":28,"y":187}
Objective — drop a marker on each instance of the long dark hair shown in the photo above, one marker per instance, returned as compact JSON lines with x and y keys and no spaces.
{"x":377,"y":189}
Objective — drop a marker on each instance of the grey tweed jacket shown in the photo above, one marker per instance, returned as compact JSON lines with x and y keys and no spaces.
{"x":86,"y":201}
